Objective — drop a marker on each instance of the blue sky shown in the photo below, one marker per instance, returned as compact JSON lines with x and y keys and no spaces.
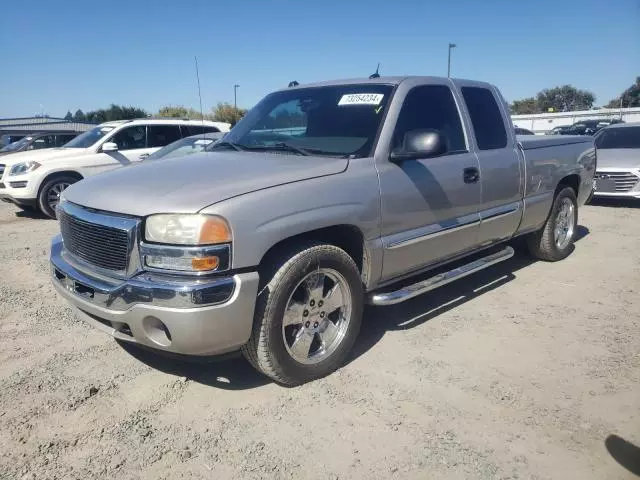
{"x":77,"y":54}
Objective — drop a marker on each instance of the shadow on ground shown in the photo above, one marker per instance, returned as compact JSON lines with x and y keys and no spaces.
{"x":31,"y":213}
{"x":625,"y":453}
{"x":229,"y":373}
{"x":234,"y":373}
{"x":615,"y":202}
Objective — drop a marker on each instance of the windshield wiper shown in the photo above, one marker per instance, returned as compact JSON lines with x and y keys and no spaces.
{"x":237,"y":147}
{"x":284,"y":147}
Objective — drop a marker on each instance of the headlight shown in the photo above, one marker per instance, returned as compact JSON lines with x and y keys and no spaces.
{"x":174,"y":237}
{"x":23,"y":167}
{"x":178,"y":229}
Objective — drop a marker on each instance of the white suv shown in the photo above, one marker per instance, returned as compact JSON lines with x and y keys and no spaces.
{"x":35,"y":179}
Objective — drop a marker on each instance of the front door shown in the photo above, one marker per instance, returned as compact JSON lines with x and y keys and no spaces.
{"x":429,"y":206}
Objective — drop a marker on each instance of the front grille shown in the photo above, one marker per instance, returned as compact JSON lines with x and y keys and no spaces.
{"x":624,"y":181}
{"x":100,"y":245}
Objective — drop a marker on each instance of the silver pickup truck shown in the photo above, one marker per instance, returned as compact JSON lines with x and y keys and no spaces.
{"x":322,"y":198}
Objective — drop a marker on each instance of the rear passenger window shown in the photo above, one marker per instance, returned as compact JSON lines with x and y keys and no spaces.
{"x":431,"y":107}
{"x":161,"y":135}
{"x":486,"y":118}
{"x":188,"y":130}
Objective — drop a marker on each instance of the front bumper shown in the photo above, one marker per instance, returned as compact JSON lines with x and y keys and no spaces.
{"x":618,"y":183}
{"x":180,"y":315}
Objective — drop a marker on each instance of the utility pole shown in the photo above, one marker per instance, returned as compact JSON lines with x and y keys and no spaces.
{"x":451,"y":47}
{"x":235,"y":95}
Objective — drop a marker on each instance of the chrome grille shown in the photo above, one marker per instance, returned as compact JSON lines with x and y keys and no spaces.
{"x":104,"y":246}
{"x":624,"y":181}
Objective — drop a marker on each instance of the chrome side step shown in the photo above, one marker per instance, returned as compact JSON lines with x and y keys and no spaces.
{"x":424,"y":286}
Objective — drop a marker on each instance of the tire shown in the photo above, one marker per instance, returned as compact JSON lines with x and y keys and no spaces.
{"x":273,"y":347}
{"x":52,"y":187}
{"x":554,"y":241}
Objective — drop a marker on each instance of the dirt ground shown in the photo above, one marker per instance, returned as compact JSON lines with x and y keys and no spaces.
{"x":525,"y":370}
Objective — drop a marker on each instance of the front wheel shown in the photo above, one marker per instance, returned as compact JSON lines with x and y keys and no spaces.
{"x":554,"y":241}
{"x":308,"y":314}
{"x":49,"y":196}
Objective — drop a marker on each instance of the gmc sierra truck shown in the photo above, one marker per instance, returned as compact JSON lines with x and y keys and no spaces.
{"x":322,"y":198}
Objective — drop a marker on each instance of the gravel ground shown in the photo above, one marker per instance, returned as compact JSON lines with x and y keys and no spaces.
{"x":525,"y":370}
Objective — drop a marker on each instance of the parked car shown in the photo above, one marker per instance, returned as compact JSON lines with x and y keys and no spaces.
{"x":322,"y":198}
{"x":186,"y":146}
{"x":8,"y":138}
{"x":36,"y":179}
{"x":618,"y":171}
{"x":589,"y":127}
{"x":39,"y":141}
{"x":559,"y":130}
{"x":523,"y":131}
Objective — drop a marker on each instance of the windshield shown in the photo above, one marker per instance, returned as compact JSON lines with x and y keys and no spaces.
{"x":334,"y":121}
{"x":183,"y":147}
{"x":88,"y":138}
{"x":12,"y":147}
{"x":623,"y":137}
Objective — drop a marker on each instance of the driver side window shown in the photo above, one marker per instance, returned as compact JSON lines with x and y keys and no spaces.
{"x":131,"y":138}
{"x":431,"y":107}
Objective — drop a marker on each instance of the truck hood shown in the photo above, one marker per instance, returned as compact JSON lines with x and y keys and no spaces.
{"x":189,"y":184}
{"x":622,"y":158}
{"x":43,"y":156}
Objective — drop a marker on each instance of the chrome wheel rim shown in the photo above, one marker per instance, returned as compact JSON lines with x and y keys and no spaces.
{"x":565,"y":224}
{"x":53,"y":195}
{"x":317,"y":316}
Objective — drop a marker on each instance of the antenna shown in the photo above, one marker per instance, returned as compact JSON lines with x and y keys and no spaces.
{"x":199,"y":95}
{"x":376,"y":74}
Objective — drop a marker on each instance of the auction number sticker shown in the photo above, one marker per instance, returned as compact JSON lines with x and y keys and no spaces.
{"x":361,"y":99}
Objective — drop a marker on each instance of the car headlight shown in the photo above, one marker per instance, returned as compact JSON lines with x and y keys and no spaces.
{"x":23,"y":167}
{"x":179,"y":229}
{"x":187,"y":243}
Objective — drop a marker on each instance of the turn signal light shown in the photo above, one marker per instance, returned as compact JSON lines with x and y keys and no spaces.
{"x":205,"y":263}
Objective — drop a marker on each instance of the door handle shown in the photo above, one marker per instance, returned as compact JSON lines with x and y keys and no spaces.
{"x":143,"y":156}
{"x":471,"y":175}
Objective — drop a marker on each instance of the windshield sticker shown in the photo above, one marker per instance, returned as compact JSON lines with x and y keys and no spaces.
{"x":361,"y":99}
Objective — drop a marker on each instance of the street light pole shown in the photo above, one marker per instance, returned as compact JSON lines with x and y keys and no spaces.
{"x":235,"y":95}
{"x":451,"y":47}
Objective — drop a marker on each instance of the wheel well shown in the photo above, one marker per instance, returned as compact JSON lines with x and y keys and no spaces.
{"x":347,"y":237}
{"x":572,"y":181}
{"x":69,"y":173}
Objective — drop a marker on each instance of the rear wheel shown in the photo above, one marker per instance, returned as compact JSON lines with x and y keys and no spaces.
{"x":307,"y":315}
{"x":49,"y":196}
{"x":554,"y":241}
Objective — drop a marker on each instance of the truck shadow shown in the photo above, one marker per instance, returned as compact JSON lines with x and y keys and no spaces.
{"x":232,"y":372}
{"x":415,"y":312}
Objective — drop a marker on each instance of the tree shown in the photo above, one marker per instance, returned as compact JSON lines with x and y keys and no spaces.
{"x":80,"y":116}
{"x":225,"y":112}
{"x":629,"y":98}
{"x":524,"y":106}
{"x":115,"y":112}
{"x":566,"y":98}
{"x":178,"y":111}
{"x":68,"y":116}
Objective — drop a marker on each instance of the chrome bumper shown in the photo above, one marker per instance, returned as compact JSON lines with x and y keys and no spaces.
{"x":180,"y":315}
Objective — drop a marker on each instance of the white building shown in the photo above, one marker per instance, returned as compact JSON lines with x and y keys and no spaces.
{"x":541,"y":123}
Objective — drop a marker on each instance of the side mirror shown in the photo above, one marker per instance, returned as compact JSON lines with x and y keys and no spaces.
{"x":420,"y":144}
{"x":109,"y":147}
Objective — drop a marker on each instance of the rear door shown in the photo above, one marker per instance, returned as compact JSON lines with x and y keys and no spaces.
{"x":429,"y":206}
{"x":501,"y":174}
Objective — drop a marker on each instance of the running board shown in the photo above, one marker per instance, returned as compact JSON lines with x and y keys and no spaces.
{"x":424,"y":286}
